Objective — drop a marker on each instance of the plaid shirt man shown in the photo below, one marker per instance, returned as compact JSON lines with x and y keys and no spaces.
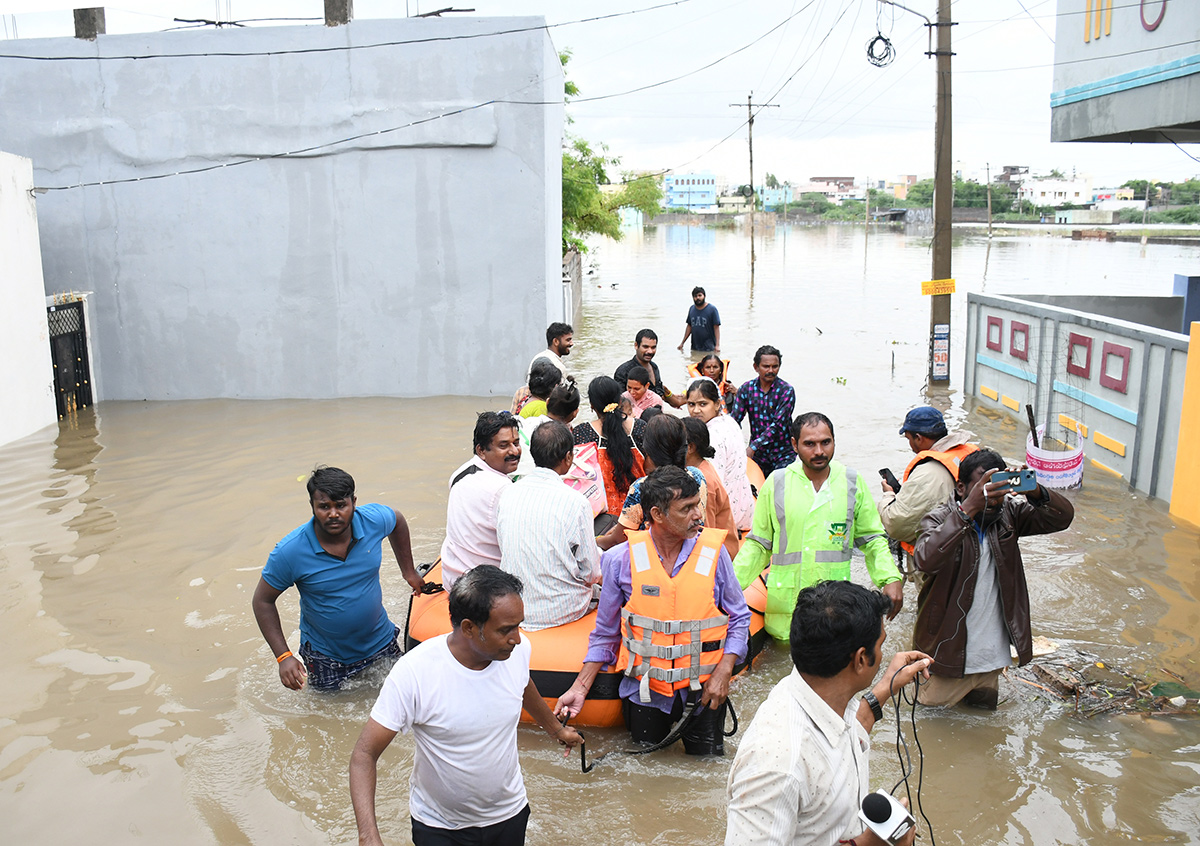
{"x":770,"y":418}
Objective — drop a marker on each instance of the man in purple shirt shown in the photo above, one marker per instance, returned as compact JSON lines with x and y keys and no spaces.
{"x":769,"y":401}
{"x":671,"y":499}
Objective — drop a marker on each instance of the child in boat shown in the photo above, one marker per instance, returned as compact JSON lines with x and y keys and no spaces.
{"x":637,"y":391}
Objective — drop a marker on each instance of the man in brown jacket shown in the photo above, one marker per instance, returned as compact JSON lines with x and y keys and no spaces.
{"x":973,"y":601}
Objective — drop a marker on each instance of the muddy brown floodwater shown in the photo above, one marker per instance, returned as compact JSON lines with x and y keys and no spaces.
{"x":140,"y":703}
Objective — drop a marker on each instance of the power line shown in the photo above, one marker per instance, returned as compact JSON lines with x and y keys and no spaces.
{"x":347,"y":47}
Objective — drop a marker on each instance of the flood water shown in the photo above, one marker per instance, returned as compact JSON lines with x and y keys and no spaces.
{"x":140,"y":703}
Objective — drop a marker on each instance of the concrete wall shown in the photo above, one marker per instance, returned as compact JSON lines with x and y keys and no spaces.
{"x":27,"y":377}
{"x":1114,"y":386}
{"x":1126,"y":72}
{"x":420,"y":258}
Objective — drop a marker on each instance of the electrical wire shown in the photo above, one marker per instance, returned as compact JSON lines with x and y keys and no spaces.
{"x":348,"y":47}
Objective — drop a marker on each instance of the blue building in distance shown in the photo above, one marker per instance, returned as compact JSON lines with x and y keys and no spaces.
{"x":690,"y":190}
{"x":771,"y":197}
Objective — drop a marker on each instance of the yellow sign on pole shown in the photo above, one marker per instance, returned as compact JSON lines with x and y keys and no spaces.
{"x":937,"y":286}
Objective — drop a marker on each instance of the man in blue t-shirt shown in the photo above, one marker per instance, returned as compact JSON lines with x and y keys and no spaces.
{"x":334,"y":560}
{"x":703,"y":324}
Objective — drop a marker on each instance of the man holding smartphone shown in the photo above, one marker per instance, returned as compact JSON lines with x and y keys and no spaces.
{"x":974,"y":601}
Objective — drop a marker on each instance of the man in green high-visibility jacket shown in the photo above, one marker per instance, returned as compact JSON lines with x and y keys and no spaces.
{"x":808,"y":519}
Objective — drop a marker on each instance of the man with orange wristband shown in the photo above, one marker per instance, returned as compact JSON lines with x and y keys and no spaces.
{"x":334,"y":560}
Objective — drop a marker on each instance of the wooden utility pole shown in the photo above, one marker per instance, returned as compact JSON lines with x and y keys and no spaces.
{"x":989,"y":189}
{"x":943,"y":200}
{"x":750,"y":107}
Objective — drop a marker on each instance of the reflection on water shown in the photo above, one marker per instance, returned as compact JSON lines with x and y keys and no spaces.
{"x":138,"y":686}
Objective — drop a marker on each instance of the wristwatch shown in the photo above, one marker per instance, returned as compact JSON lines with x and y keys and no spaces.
{"x":874,"y":705}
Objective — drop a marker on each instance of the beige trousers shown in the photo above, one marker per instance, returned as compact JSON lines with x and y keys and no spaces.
{"x":942,"y":691}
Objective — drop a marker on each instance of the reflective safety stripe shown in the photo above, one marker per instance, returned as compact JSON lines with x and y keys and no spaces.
{"x":707,"y":558}
{"x":866,"y":539}
{"x":763,"y":542}
{"x":785,"y":559}
{"x":851,"y":495}
{"x":780,"y":514}
{"x":640,"y":556}
{"x":831,"y":556}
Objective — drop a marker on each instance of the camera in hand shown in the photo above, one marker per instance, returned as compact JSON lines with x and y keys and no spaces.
{"x":885,"y":816}
{"x":888,"y":476}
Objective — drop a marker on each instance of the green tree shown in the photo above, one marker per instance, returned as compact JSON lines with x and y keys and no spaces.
{"x":920,"y":195}
{"x":585,"y":208}
{"x":772,"y":182}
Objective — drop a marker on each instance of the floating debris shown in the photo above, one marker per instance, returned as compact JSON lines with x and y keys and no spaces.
{"x":1094,"y":687}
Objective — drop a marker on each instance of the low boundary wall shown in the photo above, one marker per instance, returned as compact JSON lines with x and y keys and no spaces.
{"x":1116,"y":387}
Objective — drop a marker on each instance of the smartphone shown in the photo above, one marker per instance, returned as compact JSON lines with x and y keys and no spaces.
{"x":1022,"y":481}
{"x":890,"y":477}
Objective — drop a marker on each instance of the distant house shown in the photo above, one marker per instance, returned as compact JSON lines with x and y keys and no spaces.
{"x":693,"y":191}
{"x":1057,"y":192}
{"x":775,"y":196}
{"x":836,"y":189}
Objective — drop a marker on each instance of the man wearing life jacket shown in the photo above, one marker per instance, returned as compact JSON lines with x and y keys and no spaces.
{"x":809,"y":518}
{"x":929,"y":478}
{"x":671,"y":617}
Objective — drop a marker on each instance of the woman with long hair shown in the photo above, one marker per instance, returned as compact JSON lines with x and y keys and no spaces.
{"x":665,"y":444}
{"x":729,"y":446}
{"x":616,"y":435}
{"x":718,"y":513}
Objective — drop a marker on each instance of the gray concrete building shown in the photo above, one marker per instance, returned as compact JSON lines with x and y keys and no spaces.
{"x":303,"y":211}
{"x":1127,"y":72}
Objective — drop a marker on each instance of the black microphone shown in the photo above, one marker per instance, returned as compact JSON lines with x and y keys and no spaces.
{"x":876,"y":808}
{"x":885,"y":816}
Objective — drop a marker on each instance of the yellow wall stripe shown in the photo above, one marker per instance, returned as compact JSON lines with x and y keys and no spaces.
{"x":1109,"y":444}
{"x":1074,"y":425}
{"x":989,"y":393}
{"x":1011,"y":403}
{"x":1105,"y":467}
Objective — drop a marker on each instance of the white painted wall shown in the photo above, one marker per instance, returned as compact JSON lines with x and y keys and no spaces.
{"x":27,"y":377}
{"x":417,"y":261}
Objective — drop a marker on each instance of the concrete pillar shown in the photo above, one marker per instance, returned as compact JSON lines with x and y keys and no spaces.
{"x":338,"y":12}
{"x":1185,"y":488}
{"x":1188,"y":287}
{"x":89,"y":23}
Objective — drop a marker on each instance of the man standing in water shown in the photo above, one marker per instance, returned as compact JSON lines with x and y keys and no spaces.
{"x":809,"y":518}
{"x":677,"y":572}
{"x":974,"y":601}
{"x":461,"y":696}
{"x":801,"y":770}
{"x":334,"y":560}
{"x":645,"y":345}
{"x":703,"y":324}
{"x":769,"y":401}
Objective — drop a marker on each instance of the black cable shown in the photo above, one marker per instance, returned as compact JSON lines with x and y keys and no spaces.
{"x":880,"y":51}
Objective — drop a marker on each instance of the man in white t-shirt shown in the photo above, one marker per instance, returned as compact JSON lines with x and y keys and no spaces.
{"x":461,"y":696}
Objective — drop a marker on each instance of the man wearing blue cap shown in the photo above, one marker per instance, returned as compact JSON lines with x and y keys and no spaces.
{"x":929,"y":478}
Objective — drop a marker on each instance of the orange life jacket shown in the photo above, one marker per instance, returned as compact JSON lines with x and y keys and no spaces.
{"x":673,"y":633}
{"x":950,"y":459}
{"x":722,"y":385}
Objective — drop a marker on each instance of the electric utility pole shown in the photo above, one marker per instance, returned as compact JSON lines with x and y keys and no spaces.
{"x":750,"y":107}
{"x":943,"y":203}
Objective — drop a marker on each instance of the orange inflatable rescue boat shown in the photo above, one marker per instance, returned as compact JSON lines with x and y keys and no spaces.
{"x":558,"y":652}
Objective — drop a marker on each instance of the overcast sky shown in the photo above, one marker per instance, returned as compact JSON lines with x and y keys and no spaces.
{"x":837,"y":115}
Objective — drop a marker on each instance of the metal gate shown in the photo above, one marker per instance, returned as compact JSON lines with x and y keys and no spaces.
{"x":68,"y":350}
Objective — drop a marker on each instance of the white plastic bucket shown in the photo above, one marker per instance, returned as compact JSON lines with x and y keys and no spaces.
{"x":1055,"y":469}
